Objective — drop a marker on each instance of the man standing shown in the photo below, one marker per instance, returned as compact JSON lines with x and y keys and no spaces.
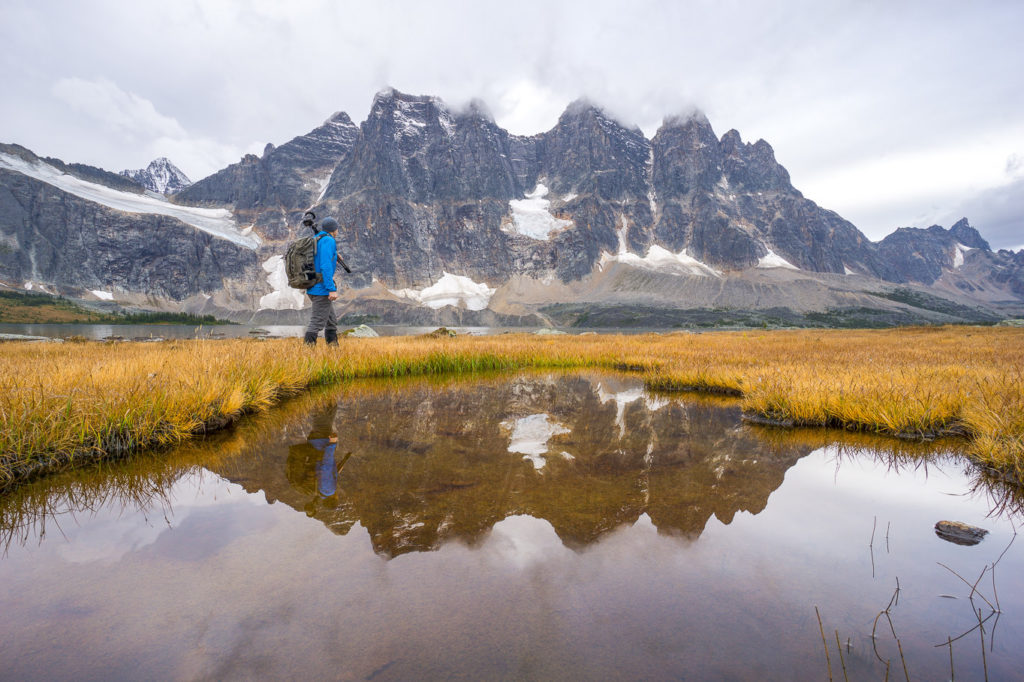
{"x":324,"y":292}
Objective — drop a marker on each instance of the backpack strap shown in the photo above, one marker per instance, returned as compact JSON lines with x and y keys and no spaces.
{"x":316,"y":248}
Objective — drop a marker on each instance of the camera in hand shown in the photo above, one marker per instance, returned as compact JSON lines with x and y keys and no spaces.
{"x":309,"y":220}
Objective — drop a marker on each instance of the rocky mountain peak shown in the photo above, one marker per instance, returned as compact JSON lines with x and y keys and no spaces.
{"x":160,"y":176}
{"x":477,"y":108}
{"x":588,"y":151}
{"x":752,"y":166}
{"x":687,"y":155}
{"x":695,"y":119}
{"x":968,"y":236}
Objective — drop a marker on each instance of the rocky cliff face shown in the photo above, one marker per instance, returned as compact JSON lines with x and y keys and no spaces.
{"x":56,"y":241}
{"x":272,"y":191}
{"x":159,"y":176}
{"x":447,"y":217}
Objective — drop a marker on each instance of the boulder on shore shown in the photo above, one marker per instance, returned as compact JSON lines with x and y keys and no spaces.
{"x":441,"y":333}
{"x":360,"y":332}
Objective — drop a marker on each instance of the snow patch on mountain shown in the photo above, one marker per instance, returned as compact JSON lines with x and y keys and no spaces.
{"x":660,"y":259}
{"x":774,"y":260}
{"x":453,"y":290}
{"x":627,"y":397}
{"x":530,"y":436}
{"x":322,"y":184}
{"x":102,"y":295}
{"x":532,"y":216}
{"x":408,"y":120}
{"x":958,"y":255}
{"x":215,"y":221}
{"x":283,"y":297}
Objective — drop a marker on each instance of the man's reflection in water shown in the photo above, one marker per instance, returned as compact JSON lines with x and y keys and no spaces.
{"x":312,"y":465}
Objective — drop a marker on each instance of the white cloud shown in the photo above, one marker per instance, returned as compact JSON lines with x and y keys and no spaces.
{"x":135,"y":121}
{"x":917,"y":187}
{"x":526,"y":107}
{"x":121,"y":111}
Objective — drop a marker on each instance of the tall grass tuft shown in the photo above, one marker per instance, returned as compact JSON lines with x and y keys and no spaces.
{"x":65,"y":404}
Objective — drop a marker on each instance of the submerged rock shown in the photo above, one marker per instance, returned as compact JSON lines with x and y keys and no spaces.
{"x":960,"y":533}
{"x":360,"y":332}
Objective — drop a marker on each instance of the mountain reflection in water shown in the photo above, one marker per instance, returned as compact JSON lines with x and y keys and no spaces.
{"x":427,"y":464}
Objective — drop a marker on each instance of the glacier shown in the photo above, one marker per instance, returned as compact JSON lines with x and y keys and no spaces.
{"x":218,"y":222}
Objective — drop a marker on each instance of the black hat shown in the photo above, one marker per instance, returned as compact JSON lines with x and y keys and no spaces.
{"x":329,"y":224}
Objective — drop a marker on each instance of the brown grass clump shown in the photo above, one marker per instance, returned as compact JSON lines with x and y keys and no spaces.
{"x":70,"y":403}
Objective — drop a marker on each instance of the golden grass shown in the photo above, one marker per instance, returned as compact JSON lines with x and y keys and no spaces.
{"x":68,"y":403}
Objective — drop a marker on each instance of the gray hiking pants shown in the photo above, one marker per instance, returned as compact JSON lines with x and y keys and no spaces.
{"x":323,"y":317}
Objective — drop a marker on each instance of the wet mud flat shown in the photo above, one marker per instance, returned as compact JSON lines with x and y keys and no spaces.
{"x":563,"y":525}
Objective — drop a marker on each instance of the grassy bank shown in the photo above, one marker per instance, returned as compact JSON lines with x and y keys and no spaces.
{"x":69,"y":403}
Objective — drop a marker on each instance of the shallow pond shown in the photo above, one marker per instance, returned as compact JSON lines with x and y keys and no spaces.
{"x":565,"y":526}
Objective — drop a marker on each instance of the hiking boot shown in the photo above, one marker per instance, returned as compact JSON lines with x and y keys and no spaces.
{"x":310,"y":338}
{"x":331,"y":336}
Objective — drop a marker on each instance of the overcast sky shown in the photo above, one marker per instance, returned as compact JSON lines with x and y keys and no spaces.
{"x":894,"y":113}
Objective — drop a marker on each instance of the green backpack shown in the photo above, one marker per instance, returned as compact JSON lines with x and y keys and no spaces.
{"x":299,"y":263}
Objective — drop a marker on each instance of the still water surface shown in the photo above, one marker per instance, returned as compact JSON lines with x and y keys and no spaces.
{"x":190,"y":331}
{"x":531,"y":527}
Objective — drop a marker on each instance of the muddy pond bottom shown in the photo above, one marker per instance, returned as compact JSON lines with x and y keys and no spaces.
{"x":563,"y":526}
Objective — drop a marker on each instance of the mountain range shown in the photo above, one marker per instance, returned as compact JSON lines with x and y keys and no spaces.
{"x":447,"y":218}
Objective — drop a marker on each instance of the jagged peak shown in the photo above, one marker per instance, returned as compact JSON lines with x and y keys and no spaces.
{"x":732,"y":139}
{"x":693,"y":117}
{"x":579,"y":107}
{"x":389,"y":96}
{"x":339,"y":118}
{"x":732,"y":133}
{"x":967,"y":235}
{"x":475,"y":108}
{"x":584,"y":107}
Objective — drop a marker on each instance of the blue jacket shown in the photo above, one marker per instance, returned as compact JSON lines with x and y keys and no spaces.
{"x":326,"y":258}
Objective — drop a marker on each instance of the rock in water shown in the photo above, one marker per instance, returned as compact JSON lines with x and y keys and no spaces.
{"x":960,"y":533}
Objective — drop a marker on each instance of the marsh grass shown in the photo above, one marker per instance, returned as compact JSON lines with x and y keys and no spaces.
{"x":62,"y":405}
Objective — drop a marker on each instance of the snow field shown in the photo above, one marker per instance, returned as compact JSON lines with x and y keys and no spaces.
{"x":450,"y":290}
{"x":774,"y":260}
{"x":218,"y":222}
{"x":283,"y":297}
{"x":958,"y":255}
{"x":530,"y":436}
{"x":531,"y":216}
